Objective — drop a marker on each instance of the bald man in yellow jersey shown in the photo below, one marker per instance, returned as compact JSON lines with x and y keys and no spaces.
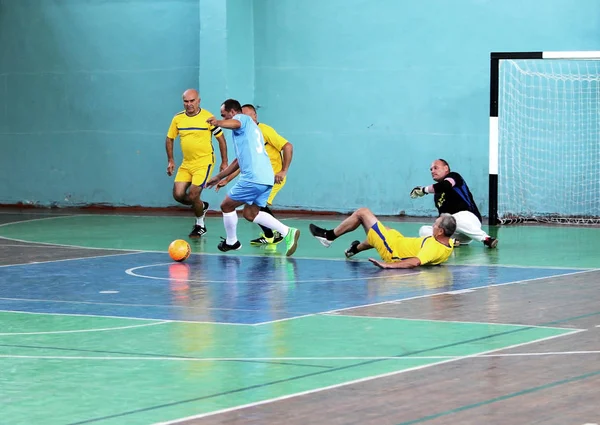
{"x":280,"y":153}
{"x":396,"y":250}
{"x":195,"y":135}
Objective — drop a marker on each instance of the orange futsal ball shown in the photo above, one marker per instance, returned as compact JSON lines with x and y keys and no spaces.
{"x":179,"y":250}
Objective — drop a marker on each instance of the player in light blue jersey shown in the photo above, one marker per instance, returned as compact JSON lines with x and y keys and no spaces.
{"x":256,"y":179}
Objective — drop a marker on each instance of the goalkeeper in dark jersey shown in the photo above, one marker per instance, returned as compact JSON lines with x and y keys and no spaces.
{"x":452,"y":195}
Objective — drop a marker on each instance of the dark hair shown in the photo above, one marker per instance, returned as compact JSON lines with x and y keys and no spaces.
{"x":448,"y":224}
{"x":443,"y":161}
{"x":249,"y":106}
{"x":232,"y":105}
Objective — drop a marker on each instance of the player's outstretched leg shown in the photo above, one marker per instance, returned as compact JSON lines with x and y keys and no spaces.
{"x":322,"y":235}
{"x":356,"y":247}
{"x":230,"y":220}
{"x":199,"y":228}
{"x":290,"y":234}
{"x":268,"y":236}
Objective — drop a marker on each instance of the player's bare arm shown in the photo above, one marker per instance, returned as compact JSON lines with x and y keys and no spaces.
{"x":229,"y":170}
{"x":226,"y":180}
{"x":407,"y":263}
{"x":288,"y":152}
{"x":223,"y":150}
{"x":170,"y":160}
{"x":228,"y":124}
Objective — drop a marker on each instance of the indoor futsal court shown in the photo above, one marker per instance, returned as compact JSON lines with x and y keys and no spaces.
{"x":100,"y":326}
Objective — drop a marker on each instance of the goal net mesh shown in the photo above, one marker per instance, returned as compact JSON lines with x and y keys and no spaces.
{"x":549,"y":141}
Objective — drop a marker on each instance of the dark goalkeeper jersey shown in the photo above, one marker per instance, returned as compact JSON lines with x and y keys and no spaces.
{"x":457,"y":198}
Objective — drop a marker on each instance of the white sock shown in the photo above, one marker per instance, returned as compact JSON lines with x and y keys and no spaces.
{"x":230,"y":220}
{"x":200,"y":220}
{"x":271,"y":222}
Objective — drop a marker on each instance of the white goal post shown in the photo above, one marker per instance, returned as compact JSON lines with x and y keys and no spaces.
{"x":544,"y":140}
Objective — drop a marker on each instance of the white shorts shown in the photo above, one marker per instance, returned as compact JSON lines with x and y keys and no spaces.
{"x":468,"y":227}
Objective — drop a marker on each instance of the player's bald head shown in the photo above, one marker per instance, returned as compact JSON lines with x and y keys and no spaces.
{"x":191,"y":94}
{"x":191,"y":101}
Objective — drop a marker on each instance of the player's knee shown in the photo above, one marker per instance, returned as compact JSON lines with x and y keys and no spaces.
{"x":250,"y":212}
{"x":226,"y":206}
{"x":178,"y":195}
{"x":195,"y":192}
{"x":362,"y":212}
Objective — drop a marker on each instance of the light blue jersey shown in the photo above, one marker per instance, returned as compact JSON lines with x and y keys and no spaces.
{"x":249,"y":145}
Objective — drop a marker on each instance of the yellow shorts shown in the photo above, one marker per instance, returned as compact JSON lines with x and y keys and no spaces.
{"x":384,"y":240}
{"x":197,"y":174}
{"x":275,"y":190}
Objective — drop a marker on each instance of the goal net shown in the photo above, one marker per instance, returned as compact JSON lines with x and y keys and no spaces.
{"x":549,"y":141}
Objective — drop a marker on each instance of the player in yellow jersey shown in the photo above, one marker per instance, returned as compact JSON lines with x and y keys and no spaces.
{"x":198,"y":156}
{"x":396,"y":250}
{"x":280,"y":153}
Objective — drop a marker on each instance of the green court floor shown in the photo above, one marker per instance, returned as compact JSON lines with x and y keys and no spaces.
{"x":519,"y":245}
{"x":129,"y":371}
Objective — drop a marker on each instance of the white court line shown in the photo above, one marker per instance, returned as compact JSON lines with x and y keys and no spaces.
{"x":34,"y":219}
{"x":137,"y":251}
{"x":355,"y":260}
{"x":62,"y":245}
{"x":132,"y":272}
{"x":521,"y":325}
{"x":283,"y":359}
{"x":177,"y":307}
{"x":223,"y":359}
{"x":118,"y":328}
{"x":124,"y":317}
{"x":401,"y":300}
{"x":290,"y":216}
{"x":71,"y":259}
{"x":248,"y":255}
{"x":356,"y":381}
{"x":34,"y":245}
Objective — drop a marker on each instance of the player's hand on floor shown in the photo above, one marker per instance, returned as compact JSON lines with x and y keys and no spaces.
{"x":417,"y":192}
{"x":378,"y":263}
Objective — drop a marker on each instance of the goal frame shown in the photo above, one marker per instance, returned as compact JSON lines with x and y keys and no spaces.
{"x":495,"y":58}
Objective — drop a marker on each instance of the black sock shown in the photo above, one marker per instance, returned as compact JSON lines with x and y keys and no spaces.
{"x":267,"y":232}
{"x":329,"y":235}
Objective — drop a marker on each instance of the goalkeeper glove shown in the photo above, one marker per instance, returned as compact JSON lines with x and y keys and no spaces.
{"x":417,"y":192}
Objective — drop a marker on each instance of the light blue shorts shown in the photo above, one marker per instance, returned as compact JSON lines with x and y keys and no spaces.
{"x":250,"y":193}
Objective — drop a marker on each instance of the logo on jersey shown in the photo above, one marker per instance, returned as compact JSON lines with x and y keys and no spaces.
{"x":441,"y":200}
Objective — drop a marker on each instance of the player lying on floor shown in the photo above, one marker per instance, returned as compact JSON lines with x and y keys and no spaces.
{"x":396,"y":250}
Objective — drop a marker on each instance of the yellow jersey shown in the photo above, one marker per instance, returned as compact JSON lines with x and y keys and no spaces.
{"x":195,"y":135}
{"x":428,"y":250}
{"x":394,"y":246}
{"x":274,"y":144}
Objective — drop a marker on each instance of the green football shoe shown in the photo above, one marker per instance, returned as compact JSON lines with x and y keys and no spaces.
{"x":291,"y":241}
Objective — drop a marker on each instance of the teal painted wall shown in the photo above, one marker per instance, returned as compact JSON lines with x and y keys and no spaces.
{"x":88,"y":90}
{"x":368,"y":92}
{"x":371,"y":92}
